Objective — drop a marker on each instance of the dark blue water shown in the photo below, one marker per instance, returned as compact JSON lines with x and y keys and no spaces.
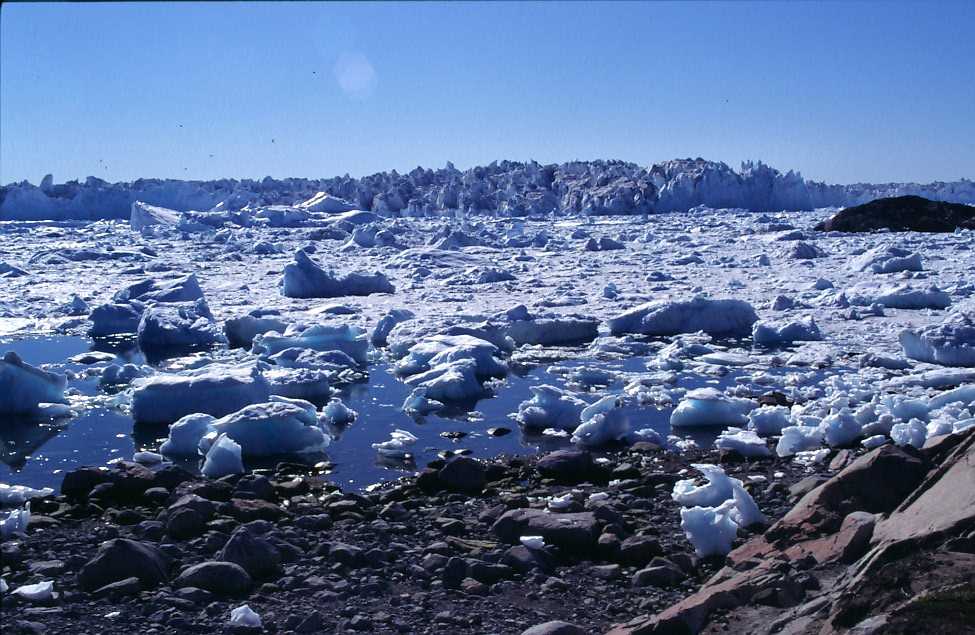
{"x":37,"y":454}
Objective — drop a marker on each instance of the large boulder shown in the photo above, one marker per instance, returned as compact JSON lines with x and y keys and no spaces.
{"x":902,"y":213}
{"x":220,"y":578}
{"x":258,"y":557}
{"x":574,"y":532}
{"x":119,"y":559}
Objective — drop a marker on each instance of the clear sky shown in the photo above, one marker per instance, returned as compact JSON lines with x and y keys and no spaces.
{"x":842,"y":92}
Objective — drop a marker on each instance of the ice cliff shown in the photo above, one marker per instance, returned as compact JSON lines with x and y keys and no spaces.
{"x":506,"y":188}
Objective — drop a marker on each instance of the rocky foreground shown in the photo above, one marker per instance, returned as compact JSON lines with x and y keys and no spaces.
{"x":883,"y":542}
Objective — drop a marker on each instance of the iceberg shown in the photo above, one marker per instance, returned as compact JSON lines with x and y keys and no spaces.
{"x":886,"y":259}
{"x":602,"y":423}
{"x":305,"y":279}
{"x":241,"y":331}
{"x":176,"y":328}
{"x":23,"y":388}
{"x":711,"y":530}
{"x":746,"y":442}
{"x":243,"y":615}
{"x":951,"y":343}
{"x":797,"y":439}
{"x":350,"y":340}
{"x":14,"y":522}
{"x":714,"y":317}
{"x":550,"y":407}
{"x":14,"y":495}
{"x":223,"y":458}
{"x":398,"y":446}
{"x":710,"y":407}
{"x":769,"y":420}
{"x":214,"y":390}
{"x":717,"y":490}
{"x":271,"y":428}
{"x":784,"y":333}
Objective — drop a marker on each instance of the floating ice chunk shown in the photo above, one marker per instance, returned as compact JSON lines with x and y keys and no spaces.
{"x":602,"y":423}
{"x":715,"y":317}
{"x":213,"y":390}
{"x":183,"y":289}
{"x":647,"y":435}
{"x":769,"y":420}
{"x":717,"y":490}
{"x":963,"y":394}
{"x":784,"y":333}
{"x":223,"y":458}
{"x":550,"y":407}
{"x":351,"y":340}
{"x":337,"y":413}
{"x":14,"y":522}
{"x":398,"y":446}
{"x":901,"y":296}
{"x":23,"y":387}
{"x":710,"y":407}
{"x":115,"y":319}
{"x":445,"y":349}
{"x":914,"y":433}
{"x":711,"y":530}
{"x":240,"y":331}
{"x":886,"y":259}
{"x":243,"y":615}
{"x":879,"y":360}
{"x":115,"y":375}
{"x":875,"y":441}
{"x":295,"y":357}
{"x":417,"y":403}
{"x":299,"y":383}
{"x":841,"y":429}
{"x":272,"y":428}
{"x":745,"y":442}
{"x":386,"y":324}
{"x":951,"y":343}
{"x":553,"y":331}
{"x":177,"y":327}
{"x":532,"y":542}
{"x":800,"y":250}
{"x":144,"y":215}
{"x":11,"y":495}
{"x":186,"y":433}
{"x":305,"y":279}
{"x":3,"y":586}
{"x":40,"y":592}
{"x":323,"y":202}
{"x":799,"y":438}
{"x":450,"y":381}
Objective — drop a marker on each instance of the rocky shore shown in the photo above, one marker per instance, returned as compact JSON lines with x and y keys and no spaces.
{"x":135,"y":550}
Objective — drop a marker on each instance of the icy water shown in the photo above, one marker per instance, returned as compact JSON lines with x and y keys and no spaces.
{"x":38,"y":454}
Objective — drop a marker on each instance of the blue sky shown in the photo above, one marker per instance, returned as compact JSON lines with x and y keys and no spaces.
{"x":843,"y":92}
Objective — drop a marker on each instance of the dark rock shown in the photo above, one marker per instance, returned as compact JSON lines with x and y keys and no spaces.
{"x":661,"y":576}
{"x":122,"y":588}
{"x":258,"y":557}
{"x":574,"y":532}
{"x":185,"y":523}
{"x":568,"y":467}
{"x":454,"y":573}
{"x":120,"y":559}
{"x":902,"y":213}
{"x":463,"y":474}
{"x":637,"y":551}
{"x":221,"y":578}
